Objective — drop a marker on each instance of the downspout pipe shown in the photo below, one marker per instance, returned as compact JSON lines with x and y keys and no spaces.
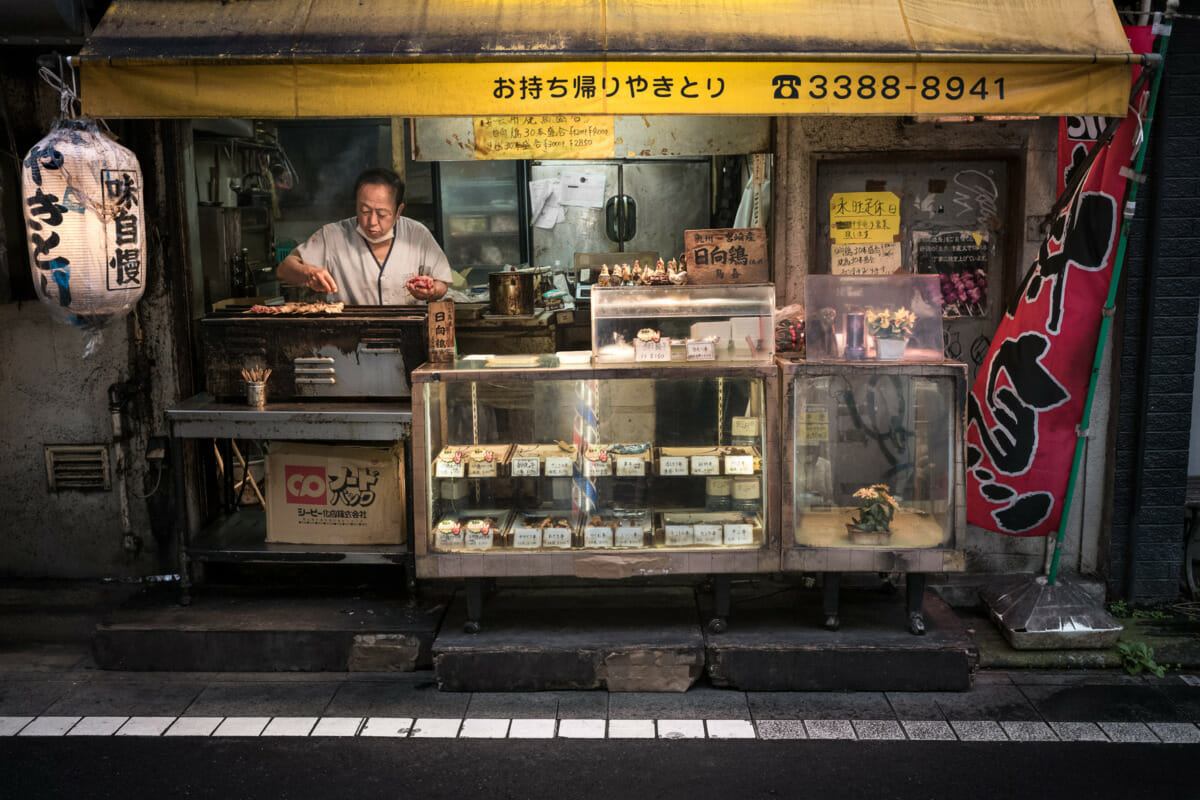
{"x":118,"y":395}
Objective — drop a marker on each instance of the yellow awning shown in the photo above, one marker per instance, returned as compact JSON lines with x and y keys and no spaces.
{"x":380,"y":58}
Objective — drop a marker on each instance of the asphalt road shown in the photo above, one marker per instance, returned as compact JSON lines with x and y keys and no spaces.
{"x":357,"y":768}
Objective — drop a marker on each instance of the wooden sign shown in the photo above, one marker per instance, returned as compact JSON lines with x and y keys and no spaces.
{"x":440,"y":324}
{"x":726,"y":255}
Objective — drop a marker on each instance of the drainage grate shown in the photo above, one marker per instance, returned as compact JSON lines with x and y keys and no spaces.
{"x":79,"y":467}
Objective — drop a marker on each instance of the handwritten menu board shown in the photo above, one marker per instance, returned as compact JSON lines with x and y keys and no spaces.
{"x":864,"y":217}
{"x":556,"y":136}
{"x":865,"y":258}
{"x":726,"y":255}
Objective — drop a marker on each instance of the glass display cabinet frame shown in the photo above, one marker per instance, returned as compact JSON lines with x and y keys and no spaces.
{"x":865,"y":554}
{"x":658,"y":510}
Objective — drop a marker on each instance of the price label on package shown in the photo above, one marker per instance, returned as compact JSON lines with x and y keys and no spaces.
{"x":651,"y":351}
{"x":630,"y":537}
{"x":631,"y":466}
{"x":479,"y":541}
{"x":739,"y":534}
{"x":673,"y":465}
{"x":708,"y":534}
{"x":556,"y":537}
{"x":450,"y":469}
{"x":680,"y":535}
{"x":597,"y":468}
{"x":483,"y":469}
{"x":598,"y":537}
{"x":559,"y":467}
{"x":446,"y":541}
{"x":739,"y":465}
{"x":526,"y":467}
{"x":527,"y":538}
{"x":701,"y":351}
{"x":706,"y":465}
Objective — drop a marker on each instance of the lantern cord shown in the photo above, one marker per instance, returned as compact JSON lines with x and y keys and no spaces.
{"x":56,"y":77}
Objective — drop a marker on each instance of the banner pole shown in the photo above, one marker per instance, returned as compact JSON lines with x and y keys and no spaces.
{"x":1109,"y":306}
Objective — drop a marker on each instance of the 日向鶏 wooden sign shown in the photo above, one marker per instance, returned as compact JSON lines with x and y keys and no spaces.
{"x":726,"y":255}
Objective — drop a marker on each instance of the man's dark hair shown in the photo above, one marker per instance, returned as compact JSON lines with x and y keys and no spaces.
{"x":382,"y":177}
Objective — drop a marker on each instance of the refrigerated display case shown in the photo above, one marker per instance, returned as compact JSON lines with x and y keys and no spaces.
{"x":595,"y":472}
{"x":483,"y":216}
{"x":873,"y":472}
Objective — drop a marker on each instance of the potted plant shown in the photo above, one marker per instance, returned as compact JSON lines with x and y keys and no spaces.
{"x":876,"y":509}
{"x":891,"y":329}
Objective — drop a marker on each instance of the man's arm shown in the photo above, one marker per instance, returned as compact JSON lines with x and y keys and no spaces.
{"x":293,"y":271}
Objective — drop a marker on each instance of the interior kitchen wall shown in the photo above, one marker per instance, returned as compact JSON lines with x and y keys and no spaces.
{"x":800,"y":144}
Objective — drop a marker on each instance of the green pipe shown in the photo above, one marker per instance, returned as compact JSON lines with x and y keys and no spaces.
{"x":1109,"y":309}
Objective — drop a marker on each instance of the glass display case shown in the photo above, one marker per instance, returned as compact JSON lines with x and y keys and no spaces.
{"x":595,"y":472}
{"x":656,"y":324}
{"x":874,"y":477}
{"x":873,"y":318}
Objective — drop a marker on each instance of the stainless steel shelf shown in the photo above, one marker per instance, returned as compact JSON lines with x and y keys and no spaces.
{"x":201,"y":417}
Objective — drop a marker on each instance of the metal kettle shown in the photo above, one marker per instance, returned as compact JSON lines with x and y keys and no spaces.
{"x":511,"y":293}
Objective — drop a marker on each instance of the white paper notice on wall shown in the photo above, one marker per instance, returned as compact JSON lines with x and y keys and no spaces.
{"x":865,"y":258}
{"x":583,"y":189}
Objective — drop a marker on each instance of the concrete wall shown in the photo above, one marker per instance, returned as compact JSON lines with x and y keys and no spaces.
{"x":1158,"y":340}
{"x":802,"y":140}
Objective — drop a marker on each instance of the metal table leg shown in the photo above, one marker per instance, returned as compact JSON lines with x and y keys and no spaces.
{"x":832,"y":582}
{"x":474,"y":605}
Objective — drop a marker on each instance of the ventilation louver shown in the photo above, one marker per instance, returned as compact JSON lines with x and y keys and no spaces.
{"x":78,"y":467}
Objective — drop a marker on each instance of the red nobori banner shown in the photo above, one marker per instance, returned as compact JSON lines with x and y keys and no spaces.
{"x":1027,"y":402}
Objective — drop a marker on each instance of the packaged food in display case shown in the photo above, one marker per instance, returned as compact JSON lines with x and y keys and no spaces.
{"x":473,"y":530}
{"x":876,"y":464}
{"x":657,"y":324}
{"x":873,"y":318}
{"x":575,"y":505}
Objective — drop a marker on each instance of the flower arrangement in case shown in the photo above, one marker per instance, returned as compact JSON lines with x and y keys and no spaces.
{"x":877,"y":508}
{"x":891,"y":323}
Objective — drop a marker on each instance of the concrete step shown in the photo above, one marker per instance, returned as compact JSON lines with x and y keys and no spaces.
{"x":623,"y":639}
{"x":779,"y":644}
{"x":241,"y":630}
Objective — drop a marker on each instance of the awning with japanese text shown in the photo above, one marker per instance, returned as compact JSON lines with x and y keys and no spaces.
{"x":332,"y":58}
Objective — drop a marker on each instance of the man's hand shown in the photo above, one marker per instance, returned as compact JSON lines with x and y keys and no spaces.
{"x":422,"y":287}
{"x":320,"y":281}
{"x":295,"y":272}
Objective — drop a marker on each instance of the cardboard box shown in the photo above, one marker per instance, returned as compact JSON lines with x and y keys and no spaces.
{"x":335,"y":494}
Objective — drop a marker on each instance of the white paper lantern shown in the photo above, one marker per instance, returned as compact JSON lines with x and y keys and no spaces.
{"x":85,"y":223}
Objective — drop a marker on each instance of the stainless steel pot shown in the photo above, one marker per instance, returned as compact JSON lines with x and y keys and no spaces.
{"x":511,"y":293}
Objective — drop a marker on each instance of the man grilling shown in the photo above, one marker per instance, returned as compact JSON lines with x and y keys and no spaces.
{"x":376,"y":257}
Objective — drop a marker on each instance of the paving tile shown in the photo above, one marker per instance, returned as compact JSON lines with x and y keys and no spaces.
{"x":484,"y":728}
{"x":1128,"y":732}
{"x":1078,"y":731}
{"x":928,"y":730}
{"x":581,"y":728}
{"x":582,"y":705}
{"x":339,"y":726}
{"x":915,"y":705}
{"x":829,"y":729}
{"x":631,"y":729}
{"x":390,"y":726}
{"x":49,"y":726}
{"x":781,"y":729}
{"x":1186,"y":699}
{"x":872,"y":729}
{"x":396,"y":699}
{"x":681,"y":729}
{"x":993,"y":677}
{"x":31,"y":697}
{"x":139,"y":697}
{"x":290,"y":726}
{"x":511,"y":705}
{"x":10,"y":726}
{"x":97,"y":726}
{"x":1175,"y":732}
{"x":241,"y":726}
{"x":1073,"y":677}
{"x":436,"y":728}
{"x":819,"y":705}
{"x":262,"y":699}
{"x":194,"y":726}
{"x":978,"y":730}
{"x":698,"y":703}
{"x":1028,"y":731}
{"x":986,"y":703}
{"x":730,"y":728}
{"x":532,"y":728}
{"x":145,"y":726}
{"x":1114,"y":702}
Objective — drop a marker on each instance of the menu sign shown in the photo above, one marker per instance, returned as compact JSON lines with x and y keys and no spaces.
{"x":726,"y":255}
{"x":553,"y":136}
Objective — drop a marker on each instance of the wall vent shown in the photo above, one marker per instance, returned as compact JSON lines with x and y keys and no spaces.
{"x":82,"y":467}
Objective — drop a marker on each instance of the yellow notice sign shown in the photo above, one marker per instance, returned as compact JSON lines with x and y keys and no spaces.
{"x":864,"y":217}
{"x":556,"y":136}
